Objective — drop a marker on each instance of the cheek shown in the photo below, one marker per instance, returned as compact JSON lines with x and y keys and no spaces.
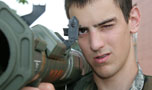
{"x":118,"y":40}
{"x":120,"y":43}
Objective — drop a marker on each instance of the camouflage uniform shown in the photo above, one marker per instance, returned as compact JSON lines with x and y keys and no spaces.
{"x":87,"y":82}
{"x":139,"y":81}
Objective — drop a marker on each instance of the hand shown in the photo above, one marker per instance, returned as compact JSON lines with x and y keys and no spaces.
{"x":42,"y":86}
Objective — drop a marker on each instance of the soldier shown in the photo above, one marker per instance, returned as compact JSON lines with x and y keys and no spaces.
{"x":106,"y":40}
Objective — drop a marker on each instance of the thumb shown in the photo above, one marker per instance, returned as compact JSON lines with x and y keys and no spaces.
{"x":46,"y":86}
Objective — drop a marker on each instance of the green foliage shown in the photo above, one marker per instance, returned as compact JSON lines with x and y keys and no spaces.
{"x":23,"y":1}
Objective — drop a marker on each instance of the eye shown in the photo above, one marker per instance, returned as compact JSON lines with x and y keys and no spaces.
{"x":83,"y":31}
{"x":108,"y":26}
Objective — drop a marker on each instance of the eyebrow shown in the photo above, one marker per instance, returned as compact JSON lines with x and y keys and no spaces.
{"x":80,"y":27}
{"x":99,"y":24}
{"x":105,"y":21}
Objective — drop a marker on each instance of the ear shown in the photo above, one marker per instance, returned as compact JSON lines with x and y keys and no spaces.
{"x":134,"y":19}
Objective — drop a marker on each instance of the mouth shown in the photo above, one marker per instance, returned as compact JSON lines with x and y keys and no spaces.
{"x":102,"y":58}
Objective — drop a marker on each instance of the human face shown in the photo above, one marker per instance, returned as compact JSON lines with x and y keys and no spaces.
{"x":104,"y":37}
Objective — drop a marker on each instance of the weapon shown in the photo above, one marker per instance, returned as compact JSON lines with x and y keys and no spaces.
{"x":31,"y":55}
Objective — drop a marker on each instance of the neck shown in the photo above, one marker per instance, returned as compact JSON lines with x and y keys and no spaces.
{"x":123,"y":79}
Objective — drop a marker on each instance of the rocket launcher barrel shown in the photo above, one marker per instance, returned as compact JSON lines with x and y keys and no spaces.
{"x":32,"y":55}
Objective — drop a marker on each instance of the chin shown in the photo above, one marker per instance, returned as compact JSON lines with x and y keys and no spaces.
{"x":104,"y":75}
{"x":104,"y":72}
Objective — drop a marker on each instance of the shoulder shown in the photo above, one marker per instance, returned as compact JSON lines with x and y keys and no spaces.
{"x":85,"y":82}
{"x":147,"y":82}
{"x":148,"y":79}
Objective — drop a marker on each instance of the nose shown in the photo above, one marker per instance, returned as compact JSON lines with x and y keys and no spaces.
{"x":96,"y":40}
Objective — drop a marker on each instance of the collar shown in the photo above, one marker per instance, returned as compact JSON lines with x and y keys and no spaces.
{"x":138,"y":83}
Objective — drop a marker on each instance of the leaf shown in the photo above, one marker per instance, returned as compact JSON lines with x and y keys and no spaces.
{"x":23,"y":1}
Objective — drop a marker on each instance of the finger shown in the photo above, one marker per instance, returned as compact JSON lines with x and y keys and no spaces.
{"x":29,"y":88}
{"x":46,"y":86}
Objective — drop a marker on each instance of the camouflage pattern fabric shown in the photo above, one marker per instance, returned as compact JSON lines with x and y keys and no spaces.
{"x":87,"y":82}
{"x":138,"y":83}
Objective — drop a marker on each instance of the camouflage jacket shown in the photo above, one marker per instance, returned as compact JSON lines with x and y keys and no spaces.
{"x":87,"y":82}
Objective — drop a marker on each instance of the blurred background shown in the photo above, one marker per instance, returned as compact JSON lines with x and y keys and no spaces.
{"x":144,"y":41}
{"x":53,"y":18}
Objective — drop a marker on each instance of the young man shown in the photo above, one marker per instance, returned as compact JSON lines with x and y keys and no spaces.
{"x":106,"y":40}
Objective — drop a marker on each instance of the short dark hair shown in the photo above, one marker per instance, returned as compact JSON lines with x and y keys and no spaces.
{"x":125,"y":6}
